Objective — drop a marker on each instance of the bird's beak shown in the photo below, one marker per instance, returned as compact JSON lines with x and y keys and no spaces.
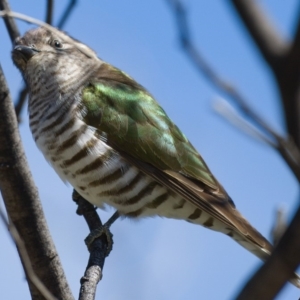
{"x":25,"y":51}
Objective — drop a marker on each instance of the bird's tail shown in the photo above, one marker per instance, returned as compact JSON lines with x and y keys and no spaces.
{"x":254,"y":242}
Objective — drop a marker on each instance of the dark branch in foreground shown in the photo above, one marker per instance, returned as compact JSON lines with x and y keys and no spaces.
{"x":23,"y":205}
{"x":25,"y":258}
{"x":21,"y":198}
{"x":98,"y":248}
{"x":285,"y":257}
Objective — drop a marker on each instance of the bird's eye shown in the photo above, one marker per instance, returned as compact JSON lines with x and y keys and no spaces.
{"x":57,"y":44}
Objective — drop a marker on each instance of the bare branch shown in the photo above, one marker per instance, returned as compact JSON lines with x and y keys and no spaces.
{"x":25,"y":258}
{"x":272,"y":46}
{"x":49,"y":12}
{"x":67,"y":13}
{"x":9,"y":22}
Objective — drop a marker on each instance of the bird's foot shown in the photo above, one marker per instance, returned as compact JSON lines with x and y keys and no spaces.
{"x":103,"y":230}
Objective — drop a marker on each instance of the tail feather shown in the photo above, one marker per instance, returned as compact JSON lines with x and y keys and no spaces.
{"x":259,"y":246}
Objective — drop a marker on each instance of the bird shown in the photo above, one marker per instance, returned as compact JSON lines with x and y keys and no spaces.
{"x":107,"y":136}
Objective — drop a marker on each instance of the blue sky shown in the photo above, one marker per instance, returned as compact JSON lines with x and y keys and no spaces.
{"x":160,"y":258}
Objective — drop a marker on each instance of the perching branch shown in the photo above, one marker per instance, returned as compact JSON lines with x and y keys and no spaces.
{"x":98,"y":248}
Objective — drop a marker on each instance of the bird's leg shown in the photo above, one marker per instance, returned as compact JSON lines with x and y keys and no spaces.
{"x":103,"y":230}
{"x":88,"y":211}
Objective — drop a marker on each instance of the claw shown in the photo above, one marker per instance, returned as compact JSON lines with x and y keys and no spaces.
{"x":98,"y":233}
{"x":104,"y":229}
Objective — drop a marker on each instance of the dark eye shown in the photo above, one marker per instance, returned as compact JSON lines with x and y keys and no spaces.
{"x":57,"y":44}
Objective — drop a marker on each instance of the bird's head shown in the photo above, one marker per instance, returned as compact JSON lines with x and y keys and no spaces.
{"x":41,"y":51}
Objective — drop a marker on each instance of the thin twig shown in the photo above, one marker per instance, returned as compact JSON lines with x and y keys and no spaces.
{"x":14,"y":234}
{"x":49,"y":12}
{"x":11,"y":26}
{"x":231,"y":115}
{"x":286,"y":148}
{"x":279,"y":226}
{"x":59,"y":34}
{"x":20,"y":102}
{"x":281,"y":55}
{"x":272,"y":45}
{"x":24,"y":91}
{"x":67,"y":13}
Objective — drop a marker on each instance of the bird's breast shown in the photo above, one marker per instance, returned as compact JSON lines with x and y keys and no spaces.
{"x":92,"y":167}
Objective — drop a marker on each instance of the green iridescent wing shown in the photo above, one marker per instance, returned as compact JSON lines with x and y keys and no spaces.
{"x":141,"y":131}
{"x":136,"y":123}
